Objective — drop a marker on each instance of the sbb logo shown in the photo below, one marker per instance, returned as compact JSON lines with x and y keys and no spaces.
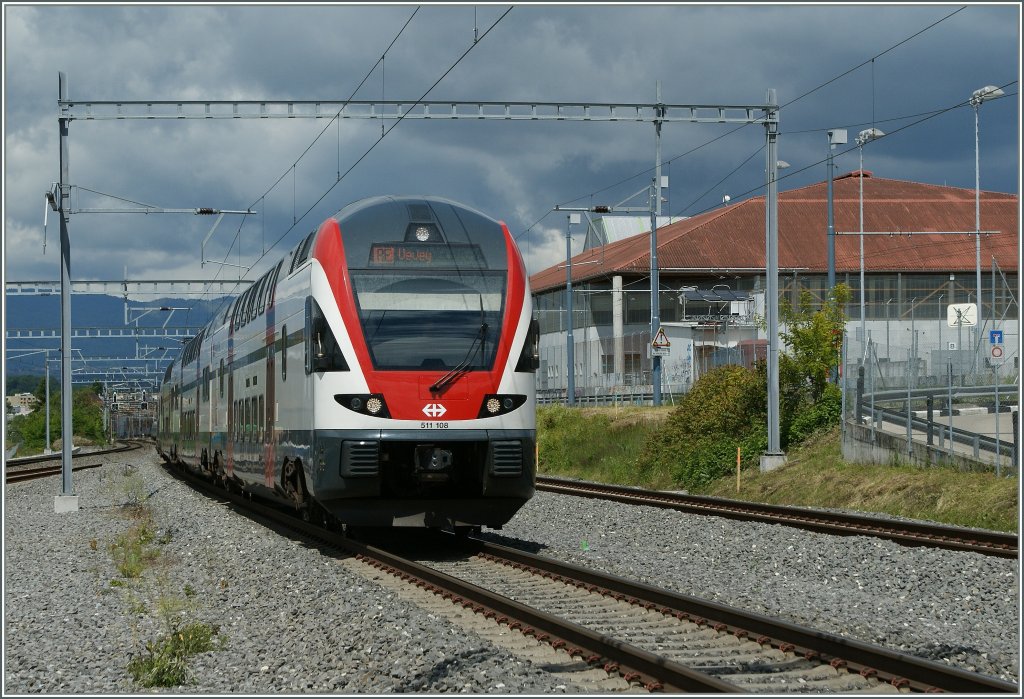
{"x":434,"y":410}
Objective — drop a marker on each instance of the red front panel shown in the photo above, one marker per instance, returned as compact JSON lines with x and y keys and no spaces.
{"x":407,"y":393}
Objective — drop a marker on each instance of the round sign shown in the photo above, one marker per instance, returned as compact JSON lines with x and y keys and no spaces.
{"x":997,"y":351}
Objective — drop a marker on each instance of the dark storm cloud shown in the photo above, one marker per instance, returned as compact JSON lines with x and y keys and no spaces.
{"x":514,"y":171}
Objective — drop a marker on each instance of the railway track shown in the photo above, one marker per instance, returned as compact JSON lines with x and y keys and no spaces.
{"x":15,"y":471}
{"x":841,"y":524}
{"x":648,"y":637}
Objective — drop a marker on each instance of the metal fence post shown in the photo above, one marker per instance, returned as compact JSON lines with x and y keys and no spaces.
{"x":860,"y":393}
{"x":931,"y":418}
{"x":910,"y":433}
{"x":1016,"y":448}
{"x":950,"y":388}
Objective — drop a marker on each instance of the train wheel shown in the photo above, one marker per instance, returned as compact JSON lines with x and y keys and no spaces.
{"x":466,"y":532}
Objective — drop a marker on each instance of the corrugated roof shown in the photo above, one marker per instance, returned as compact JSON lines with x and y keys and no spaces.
{"x":731,"y":238}
{"x":608,"y":229}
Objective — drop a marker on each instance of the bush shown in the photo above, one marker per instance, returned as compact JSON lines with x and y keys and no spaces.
{"x":821,"y":415}
{"x":699,"y":440}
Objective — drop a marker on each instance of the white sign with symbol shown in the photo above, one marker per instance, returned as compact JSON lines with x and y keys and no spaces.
{"x":961,"y":314}
{"x":660,"y":346}
{"x":434,"y":410}
{"x":996,"y":354}
{"x":661,"y":340}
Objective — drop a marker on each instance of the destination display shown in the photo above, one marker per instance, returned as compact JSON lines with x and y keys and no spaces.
{"x":410,"y":254}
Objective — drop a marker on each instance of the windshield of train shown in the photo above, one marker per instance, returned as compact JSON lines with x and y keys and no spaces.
{"x":429,"y":281}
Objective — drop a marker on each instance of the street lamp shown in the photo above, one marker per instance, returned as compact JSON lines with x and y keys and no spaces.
{"x":977,"y":97}
{"x":570,"y":390}
{"x":863,"y":137}
{"x":887,"y":350}
{"x":836,"y":137}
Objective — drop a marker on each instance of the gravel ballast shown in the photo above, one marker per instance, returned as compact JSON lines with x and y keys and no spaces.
{"x":295,"y":621}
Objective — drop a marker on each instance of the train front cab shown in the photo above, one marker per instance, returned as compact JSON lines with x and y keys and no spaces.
{"x":403,"y":432}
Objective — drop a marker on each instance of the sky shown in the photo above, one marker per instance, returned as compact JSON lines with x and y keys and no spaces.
{"x":832,"y":66}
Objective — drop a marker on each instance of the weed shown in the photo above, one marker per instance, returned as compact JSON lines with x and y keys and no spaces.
{"x":166,"y":663}
{"x":189,"y":590}
{"x":93,"y":544}
{"x":130,"y":551}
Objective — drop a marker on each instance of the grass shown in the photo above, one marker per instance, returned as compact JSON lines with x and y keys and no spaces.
{"x":166,"y":661}
{"x":134,"y":551}
{"x":817,"y":476}
{"x":598,"y":444}
{"x":601,"y":444}
{"x":131,"y":551}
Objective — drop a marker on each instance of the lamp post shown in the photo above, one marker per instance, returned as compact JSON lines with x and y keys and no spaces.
{"x":836,"y":137}
{"x":977,"y":97}
{"x":887,"y":350}
{"x":570,"y":391}
{"x":863,"y":137}
{"x":46,"y":362}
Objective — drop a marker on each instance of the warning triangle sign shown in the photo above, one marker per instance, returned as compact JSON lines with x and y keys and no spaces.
{"x":661,"y":340}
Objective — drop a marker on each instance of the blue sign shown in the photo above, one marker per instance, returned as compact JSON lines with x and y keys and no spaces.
{"x":995,"y":337}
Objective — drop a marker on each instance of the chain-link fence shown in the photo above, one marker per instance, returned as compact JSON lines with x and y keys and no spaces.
{"x":932,"y":394}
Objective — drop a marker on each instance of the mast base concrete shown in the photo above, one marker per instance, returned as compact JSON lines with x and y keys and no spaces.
{"x":770,"y":462}
{"x":65,"y":503}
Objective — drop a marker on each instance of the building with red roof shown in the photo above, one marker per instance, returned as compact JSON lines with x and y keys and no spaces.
{"x":919,"y":257}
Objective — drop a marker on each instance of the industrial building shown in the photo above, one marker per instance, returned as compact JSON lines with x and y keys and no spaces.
{"x":919,"y":257}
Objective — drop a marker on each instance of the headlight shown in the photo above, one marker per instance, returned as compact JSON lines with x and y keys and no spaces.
{"x":494,"y":405}
{"x":372,"y":404}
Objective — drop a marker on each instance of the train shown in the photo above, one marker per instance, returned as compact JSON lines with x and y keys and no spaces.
{"x":380,"y":374}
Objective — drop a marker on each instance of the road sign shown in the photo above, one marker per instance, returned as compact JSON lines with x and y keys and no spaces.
{"x":660,"y":351}
{"x":661,"y":340}
{"x":996,"y":353}
{"x":962,"y":315}
{"x":995,"y":337}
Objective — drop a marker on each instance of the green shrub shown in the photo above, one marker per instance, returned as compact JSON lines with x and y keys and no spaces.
{"x":722,"y":412}
{"x":821,"y":415}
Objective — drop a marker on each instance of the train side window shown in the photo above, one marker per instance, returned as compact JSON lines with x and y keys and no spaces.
{"x":322,"y":350}
{"x":258,"y":298}
{"x":221,"y":373}
{"x":302,"y":252}
{"x":264,"y":288}
{"x":284,"y":352}
{"x":261,"y":424}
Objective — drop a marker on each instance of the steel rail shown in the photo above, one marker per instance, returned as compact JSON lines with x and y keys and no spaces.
{"x":30,"y":474}
{"x":38,"y":458}
{"x":904,"y":532}
{"x":19,"y":475}
{"x":897,"y":668}
{"x":656,"y":672}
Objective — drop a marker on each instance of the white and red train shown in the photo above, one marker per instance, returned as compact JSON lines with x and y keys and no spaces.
{"x":381,"y":374}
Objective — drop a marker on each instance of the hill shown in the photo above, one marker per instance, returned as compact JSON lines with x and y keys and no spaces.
{"x":42,"y":312}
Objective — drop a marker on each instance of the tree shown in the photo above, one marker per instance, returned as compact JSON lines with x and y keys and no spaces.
{"x":815,"y":337}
